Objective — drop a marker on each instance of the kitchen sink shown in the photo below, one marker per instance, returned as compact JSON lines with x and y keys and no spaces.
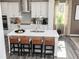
{"x":36,"y":31}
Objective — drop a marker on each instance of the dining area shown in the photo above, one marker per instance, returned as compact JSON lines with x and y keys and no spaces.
{"x":33,"y":43}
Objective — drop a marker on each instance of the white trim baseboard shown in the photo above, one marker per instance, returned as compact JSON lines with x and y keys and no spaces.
{"x":75,"y":35}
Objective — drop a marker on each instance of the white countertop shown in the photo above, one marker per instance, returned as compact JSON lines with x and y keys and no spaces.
{"x":46,"y":33}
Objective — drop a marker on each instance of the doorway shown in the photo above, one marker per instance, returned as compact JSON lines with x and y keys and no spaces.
{"x":60,"y":16}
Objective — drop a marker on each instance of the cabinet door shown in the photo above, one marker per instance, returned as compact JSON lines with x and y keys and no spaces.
{"x":44,"y":9}
{"x":4,"y":8}
{"x":13,"y":9}
{"x":35,"y":9}
{"x":39,"y":9}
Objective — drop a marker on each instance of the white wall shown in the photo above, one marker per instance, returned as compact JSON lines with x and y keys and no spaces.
{"x":2,"y":41}
{"x":51,"y":13}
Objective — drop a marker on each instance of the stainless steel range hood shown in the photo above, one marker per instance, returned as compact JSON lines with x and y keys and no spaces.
{"x":24,"y":6}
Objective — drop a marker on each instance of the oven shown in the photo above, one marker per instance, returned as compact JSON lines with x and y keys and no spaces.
{"x":5,"y":23}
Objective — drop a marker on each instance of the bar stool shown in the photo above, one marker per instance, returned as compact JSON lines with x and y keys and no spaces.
{"x":14,"y":44}
{"x":49,"y":43}
{"x":25,"y":45}
{"x":37,"y":41}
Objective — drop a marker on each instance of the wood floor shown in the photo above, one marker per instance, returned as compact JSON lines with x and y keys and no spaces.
{"x":65,"y":51}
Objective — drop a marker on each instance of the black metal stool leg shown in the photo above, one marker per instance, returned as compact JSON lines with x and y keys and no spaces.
{"x":45,"y":51}
{"x":29,"y":49}
{"x":53,"y":52}
{"x":33,"y":50}
{"x":13,"y":49}
{"x":18,"y":50}
{"x":10,"y":48}
{"x":21,"y":49}
{"x":41,"y":50}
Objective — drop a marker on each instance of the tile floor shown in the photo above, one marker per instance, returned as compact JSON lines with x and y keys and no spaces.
{"x":65,"y":51}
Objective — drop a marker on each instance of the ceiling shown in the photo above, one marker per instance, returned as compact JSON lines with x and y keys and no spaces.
{"x":19,"y":0}
{"x":9,"y":0}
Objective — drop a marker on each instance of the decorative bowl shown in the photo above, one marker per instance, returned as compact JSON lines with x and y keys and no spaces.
{"x":20,"y":31}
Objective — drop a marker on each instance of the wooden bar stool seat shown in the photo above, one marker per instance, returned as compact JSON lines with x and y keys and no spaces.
{"x":49,"y":43}
{"x":25,"y":45}
{"x":14,"y":44}
{"x":37,"y":41}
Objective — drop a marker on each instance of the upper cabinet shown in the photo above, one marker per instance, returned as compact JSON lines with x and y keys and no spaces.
{"x":25,"y":6}
{"x":10,"y":8}
{"x":44,"y":9}
{"x":13,"y":9}
{"x":4,"y":8}
{"x":39,"y":9}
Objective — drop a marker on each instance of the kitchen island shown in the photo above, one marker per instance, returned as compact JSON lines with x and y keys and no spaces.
{"x":42,"y":33}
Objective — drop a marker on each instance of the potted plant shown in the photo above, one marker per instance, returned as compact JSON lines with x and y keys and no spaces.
{"x":59,"y":23}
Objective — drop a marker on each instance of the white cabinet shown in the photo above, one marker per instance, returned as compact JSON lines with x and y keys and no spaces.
{"x":4,"y":8}
{"x":35,"y":9}
{"x":39,"y":9}
{"x":10,"y":8}
{"x":13,"y":9}
{"x":44,"y":9}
